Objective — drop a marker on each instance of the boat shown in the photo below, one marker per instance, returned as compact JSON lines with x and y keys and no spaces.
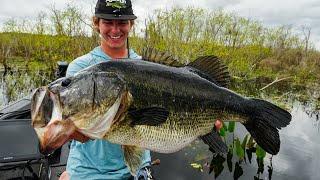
{"x":20,"y":157}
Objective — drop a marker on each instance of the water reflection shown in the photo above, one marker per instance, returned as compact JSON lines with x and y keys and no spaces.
{"x":299,"y":154}
{"x":313,"y":112}
{"x":298,"y":157}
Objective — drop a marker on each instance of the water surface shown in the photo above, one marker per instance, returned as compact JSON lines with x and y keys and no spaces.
{"x":298,"y":157}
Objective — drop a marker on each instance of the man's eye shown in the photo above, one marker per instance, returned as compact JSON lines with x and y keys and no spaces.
{"x":107,"y":22}
{"x":124,"y":22}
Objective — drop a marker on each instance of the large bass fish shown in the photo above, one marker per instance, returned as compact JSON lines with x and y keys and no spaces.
{"x":147,"y":105}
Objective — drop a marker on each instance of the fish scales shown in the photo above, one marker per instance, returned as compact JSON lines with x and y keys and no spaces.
{"x":179,"y":130}
{"x":174,"y":88}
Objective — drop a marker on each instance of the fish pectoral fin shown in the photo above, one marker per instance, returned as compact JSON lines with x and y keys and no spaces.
{"x":151,"y":116}
{"x":133,"y":158}
{"x":215,"y":142}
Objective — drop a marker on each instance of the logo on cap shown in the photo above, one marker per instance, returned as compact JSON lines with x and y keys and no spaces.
{"x":116,"y":3}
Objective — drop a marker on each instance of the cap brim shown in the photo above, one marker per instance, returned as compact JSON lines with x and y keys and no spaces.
{"x":114,"y":16}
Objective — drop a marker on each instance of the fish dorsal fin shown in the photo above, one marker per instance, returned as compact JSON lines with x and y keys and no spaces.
{"x":165,"y":58}
{"x":212,"y":69}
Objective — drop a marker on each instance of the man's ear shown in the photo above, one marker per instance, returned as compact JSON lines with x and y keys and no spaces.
{"x":95,"y":22}
{"x":131,"y":23}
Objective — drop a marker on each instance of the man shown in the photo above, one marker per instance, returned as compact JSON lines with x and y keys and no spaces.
{"x":100,"y":159}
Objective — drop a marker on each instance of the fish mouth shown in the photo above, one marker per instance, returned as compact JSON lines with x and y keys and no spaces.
{"x":40,"y":103}
{"x":56,"y":134}
{"x":51,"y":129}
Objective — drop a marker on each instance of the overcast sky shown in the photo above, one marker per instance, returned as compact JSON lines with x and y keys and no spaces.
{"x":296,"y":13}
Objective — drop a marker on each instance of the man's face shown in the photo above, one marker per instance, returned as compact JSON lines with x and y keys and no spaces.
{"x":114,"y":32}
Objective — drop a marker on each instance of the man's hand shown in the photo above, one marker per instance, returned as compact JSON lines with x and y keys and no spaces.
{"x":218,"y":125}
{"x":144,"y":174}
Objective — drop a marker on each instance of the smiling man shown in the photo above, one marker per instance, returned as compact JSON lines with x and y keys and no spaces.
{"x":100,"y":159}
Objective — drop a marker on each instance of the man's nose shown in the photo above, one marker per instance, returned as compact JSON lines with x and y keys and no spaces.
{"x":115,"y":29}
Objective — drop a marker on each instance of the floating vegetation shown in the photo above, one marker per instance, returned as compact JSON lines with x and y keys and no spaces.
{"x":241,"y":151}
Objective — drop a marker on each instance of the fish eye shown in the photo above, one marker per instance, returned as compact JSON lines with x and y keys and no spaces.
{"x":65,"y":82}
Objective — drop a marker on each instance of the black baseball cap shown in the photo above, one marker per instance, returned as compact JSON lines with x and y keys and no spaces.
{"x":114,"y":9}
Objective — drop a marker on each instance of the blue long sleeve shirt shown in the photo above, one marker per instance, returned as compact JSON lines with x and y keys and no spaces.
{"x":97,"y":159}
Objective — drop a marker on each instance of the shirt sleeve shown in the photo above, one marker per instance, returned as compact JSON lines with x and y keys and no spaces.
{"x":134,"y":55}
{"x":72,"y":69}
{"x":77,"y":65}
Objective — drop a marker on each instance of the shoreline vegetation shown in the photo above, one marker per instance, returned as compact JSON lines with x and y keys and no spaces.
{"x":271,"y":58}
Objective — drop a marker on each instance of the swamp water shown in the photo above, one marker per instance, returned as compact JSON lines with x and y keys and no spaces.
{"x":298,"y":157}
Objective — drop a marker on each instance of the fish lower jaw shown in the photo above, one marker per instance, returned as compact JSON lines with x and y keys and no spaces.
{"x":98,"y":130}
{"x":40,"y":133}
{"x":92,"y":135}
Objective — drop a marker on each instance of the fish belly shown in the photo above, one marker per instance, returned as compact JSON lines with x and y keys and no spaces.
{"x":173,"y":135}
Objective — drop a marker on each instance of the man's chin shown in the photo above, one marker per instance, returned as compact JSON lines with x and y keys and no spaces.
{"x":117,"y":46}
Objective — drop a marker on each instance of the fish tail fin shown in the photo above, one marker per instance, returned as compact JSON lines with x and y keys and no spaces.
{"x":263,"y":124}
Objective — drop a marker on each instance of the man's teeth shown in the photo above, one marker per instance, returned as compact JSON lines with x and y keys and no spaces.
{"x":115,"y":37}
